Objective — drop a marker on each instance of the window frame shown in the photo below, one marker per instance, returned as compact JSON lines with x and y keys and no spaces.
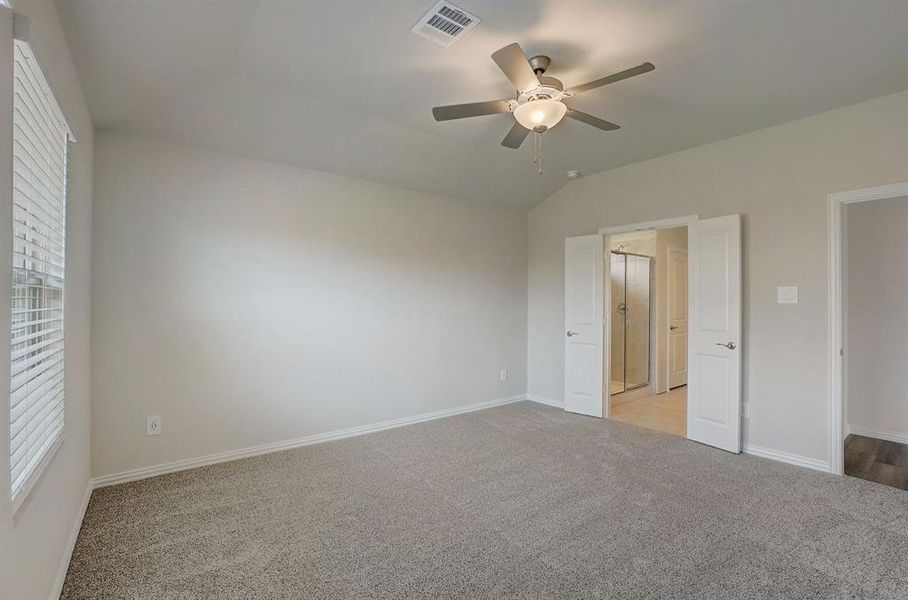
{"x":11,"y":503}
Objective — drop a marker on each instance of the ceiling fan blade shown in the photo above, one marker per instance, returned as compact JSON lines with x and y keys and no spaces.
{"x":475,"y":109}
{"x":515,"y":136}
{"x":515,"y":66}
{"x":633,"y":71}
{"x":591,"y":120}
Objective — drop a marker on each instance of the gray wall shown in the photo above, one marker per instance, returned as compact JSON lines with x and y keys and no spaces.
{"x":247,"y":302}
{"x":876,"y":317}
{"x":778,"y":179}
{"x":33,"y":544}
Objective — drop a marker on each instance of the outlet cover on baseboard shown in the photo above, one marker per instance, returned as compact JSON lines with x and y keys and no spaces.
{"x":153,"y":425}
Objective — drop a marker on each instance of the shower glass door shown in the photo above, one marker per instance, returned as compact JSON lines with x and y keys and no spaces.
{"x":630,"y":317}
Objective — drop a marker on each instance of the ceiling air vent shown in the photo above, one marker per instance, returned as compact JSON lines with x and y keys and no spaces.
{"x":445,"y":23}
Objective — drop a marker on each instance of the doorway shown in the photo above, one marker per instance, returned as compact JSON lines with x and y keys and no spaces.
{"x":875,"y":330}
{"x":713,"y":357}
{"x":846,"y":351}
{"x":648,"y":339}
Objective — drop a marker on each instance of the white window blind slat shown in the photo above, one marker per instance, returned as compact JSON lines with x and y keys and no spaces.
{"x":37,"y":382}
{"x":33,"y":263}
{"x":47,"y":381}
{"x":37,"y":411}
{"x":28,"y":227}
{"x":33,"y":217}
{"x":47,"y":367}
{"x":25,"y":337}
{"x":29,"y":311}
{"x":24,"y":246}
{"x":23,"y":365}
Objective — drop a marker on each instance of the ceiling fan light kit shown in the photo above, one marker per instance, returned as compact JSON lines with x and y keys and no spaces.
{"x":540,"y":115}
{"x":539,"y":103}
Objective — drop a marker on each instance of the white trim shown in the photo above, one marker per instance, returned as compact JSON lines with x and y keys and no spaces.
{"x":657,"y":224}
{"x":879,"y":434}
{"x":546,"y":401}
{"x":834,"y":299}
{"x":786,"y":457}
{"x":37,"y":472}
{"x":57,"y":587}
{"x":881,"y":192}
{"x":201,"y":461}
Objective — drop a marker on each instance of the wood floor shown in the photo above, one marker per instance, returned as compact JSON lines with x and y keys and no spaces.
{"x":877,"y":460}
{"x":663,"y":412}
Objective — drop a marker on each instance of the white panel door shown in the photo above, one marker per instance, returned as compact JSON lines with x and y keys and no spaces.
{"x":677,"y":318}
{"x":714,"y":362}
{"x":583,"y":302}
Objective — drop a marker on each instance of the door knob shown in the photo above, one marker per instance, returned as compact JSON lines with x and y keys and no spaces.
{"x":673,"y":327}
{"x":571,"y":333}
{"x":729,"y":345}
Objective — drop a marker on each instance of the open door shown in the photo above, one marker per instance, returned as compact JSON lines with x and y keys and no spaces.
{"x":677,"y":318}
{"x":714,"y":366}
{"x":583,"y":305}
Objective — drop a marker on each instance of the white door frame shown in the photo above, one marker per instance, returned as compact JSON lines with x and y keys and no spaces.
{"x":836,"y":316}
{"x":607,"y":232}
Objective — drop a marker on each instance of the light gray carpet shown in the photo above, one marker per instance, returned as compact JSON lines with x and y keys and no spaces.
{"x":521,"y":501}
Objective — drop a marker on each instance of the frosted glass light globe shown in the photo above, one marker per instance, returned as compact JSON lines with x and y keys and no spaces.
{"x":540,"y":113}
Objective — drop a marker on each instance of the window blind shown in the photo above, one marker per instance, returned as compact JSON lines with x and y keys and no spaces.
{"x":40,"y":137}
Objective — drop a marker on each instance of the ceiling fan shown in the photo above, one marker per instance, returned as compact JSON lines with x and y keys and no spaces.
{"x":539,"y":104}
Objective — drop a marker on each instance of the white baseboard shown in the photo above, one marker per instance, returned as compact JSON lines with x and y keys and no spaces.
{"x":201,"y":461}
{"x":57,"y":588}
{"x":546,"y":401}
{"x":879,"y":434}
{"x":785,"y":457}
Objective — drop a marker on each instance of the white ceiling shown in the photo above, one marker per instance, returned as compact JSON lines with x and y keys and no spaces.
{"x":345,"y":87}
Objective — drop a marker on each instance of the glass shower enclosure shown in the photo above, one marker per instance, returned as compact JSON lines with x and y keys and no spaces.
{"x":630,"y":317}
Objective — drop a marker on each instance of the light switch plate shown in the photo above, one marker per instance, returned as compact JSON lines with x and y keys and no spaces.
{"x":787,"y":294}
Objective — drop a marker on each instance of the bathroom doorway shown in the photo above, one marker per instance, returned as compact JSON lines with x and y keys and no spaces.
{"x":647,"y":275}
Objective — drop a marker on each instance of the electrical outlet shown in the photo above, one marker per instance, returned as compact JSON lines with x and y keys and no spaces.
{"x":153,"y":425}
{"x":746,"y":409}
{"x":503,"y":375}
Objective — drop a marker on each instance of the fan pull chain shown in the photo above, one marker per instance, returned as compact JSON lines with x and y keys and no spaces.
{"x":539,"y":135}
{"x":537,"y":150}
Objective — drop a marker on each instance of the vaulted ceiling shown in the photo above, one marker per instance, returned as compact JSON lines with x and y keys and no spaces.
{"x":345,"y":87}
